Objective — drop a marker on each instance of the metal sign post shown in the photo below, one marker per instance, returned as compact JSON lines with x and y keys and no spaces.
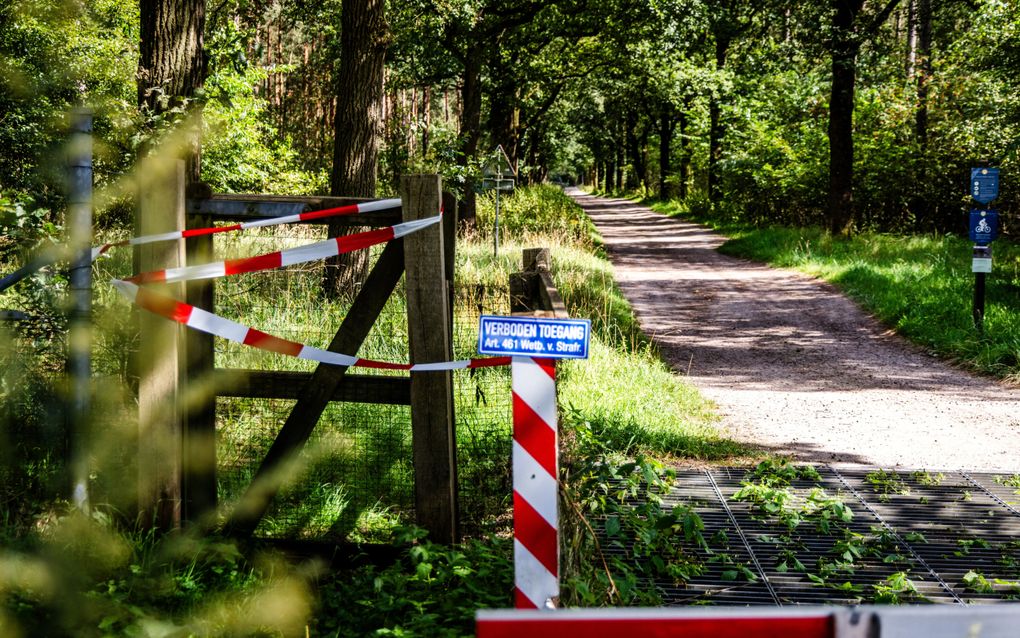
{"x":494,"y":171}
{"x":79,"y":239}
{"x":984,"y":228}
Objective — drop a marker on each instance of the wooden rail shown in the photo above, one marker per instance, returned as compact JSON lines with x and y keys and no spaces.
{"x":532,"y":291}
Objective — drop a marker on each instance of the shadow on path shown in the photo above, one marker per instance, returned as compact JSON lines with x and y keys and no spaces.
{"x":794,"y":365}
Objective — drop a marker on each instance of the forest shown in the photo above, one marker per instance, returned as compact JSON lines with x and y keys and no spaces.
{"x":849,"y":115}
{"x":798,"y":126}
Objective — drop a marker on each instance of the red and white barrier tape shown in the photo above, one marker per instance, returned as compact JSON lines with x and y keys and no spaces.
{"x":351,"y":209}
{"x":535,"y":472}
{"x":209,"y":323}
{"x":270,"y":261}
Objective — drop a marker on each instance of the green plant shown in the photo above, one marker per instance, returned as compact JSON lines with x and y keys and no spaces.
{"x":895,"y":589}
{"x":1009,"y":481}
{"x":616,"y":504}
{"x":885,"y":483}
{"x":431,"y":590}
{"x":967,"y":544}
{"x":782,"y":472}
{"x":928,"y":479}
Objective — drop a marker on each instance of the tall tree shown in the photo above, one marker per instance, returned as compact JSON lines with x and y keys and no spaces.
{"x":357,"y":126}
{"x":728,"y":21}
{"x":171,"y":62}
{"x":851,"y":28}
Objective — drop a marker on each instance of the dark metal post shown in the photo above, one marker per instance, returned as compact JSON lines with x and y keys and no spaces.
{"x":79,"y":361}
{"x":979,"y":301}
{"x":981,"y":265}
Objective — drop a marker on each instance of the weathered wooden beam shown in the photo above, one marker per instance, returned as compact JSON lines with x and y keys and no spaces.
{"x":265,"y":384}
{"x":317,"y":393}
{"x":451,"y":212}
{"x":549,"y":296}
{"x":428,"y":322}
{"x":199,"y":453}
{"x":161,"y":354}
{"x":533,"y":291}
{"x":229,"y":207}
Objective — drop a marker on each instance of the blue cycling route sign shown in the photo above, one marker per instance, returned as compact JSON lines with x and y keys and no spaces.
{"x":984,"y":226}
{"x":984,"y":184}
{"x":534,"y":337}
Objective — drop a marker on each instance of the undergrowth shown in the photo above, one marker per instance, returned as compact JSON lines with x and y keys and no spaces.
{"x":99,"y":576}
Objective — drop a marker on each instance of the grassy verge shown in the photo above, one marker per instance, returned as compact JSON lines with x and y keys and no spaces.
{"x":921,"y":286}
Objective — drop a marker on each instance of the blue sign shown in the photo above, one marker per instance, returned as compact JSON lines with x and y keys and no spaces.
{"x":984,"y":184}
{"x":984,"y":226}
{"x":532,"y":337}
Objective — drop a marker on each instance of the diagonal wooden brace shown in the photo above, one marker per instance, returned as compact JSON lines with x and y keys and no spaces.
{"x":318,"y":392}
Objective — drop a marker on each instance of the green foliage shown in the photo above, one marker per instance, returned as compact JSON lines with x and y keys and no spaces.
{"x":431,"y":590}
{"x":56,"y":55}
{"x":618,"y":536}
{"x":541,"y":211}
{"x":885,"y":483}
{"x":242,"y":151}
{"x":978,"y":583}
{"x":80,"y":576}
{"x":895,"y":589}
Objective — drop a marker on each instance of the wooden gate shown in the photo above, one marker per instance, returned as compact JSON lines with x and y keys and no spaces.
{"x":185,"y":488}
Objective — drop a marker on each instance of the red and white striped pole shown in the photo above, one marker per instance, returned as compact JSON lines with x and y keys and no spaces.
{"x":535,"y":479}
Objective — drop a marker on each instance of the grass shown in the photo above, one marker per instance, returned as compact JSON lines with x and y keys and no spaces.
{"x":622,"y":401}
{"x":921,"y":286}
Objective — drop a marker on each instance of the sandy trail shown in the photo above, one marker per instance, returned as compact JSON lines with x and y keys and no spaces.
{"x":793,"y":365}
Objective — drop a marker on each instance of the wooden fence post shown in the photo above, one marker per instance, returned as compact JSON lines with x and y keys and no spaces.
{"x":161,"y":355}
{"x":428,"y":319}
{"x":198,"y":463}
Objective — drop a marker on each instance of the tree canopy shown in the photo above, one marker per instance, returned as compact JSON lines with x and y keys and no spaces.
{"x":847,"y":114}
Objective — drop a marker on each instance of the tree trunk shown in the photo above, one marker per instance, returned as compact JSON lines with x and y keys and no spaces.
{"x":923,"y":67}
{"x":621,"y":159}
{"x":471,"y":123}
{"x":716,"y":129}
{"x":921,"y":206}
{"x":911,"y":60}
{"x":667,"y":125}
{"x":426,"y":107}
{"x":841,"y":115}
{"x":634,"y":151}
{"x":685,"y":156}
{"x":171,"y":65}
{"x":357,"y":126}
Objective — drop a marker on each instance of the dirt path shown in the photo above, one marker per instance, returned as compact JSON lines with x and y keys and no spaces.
{"x":794,"y":366}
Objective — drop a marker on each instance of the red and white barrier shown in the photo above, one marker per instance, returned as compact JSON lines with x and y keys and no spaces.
{"x":868,"y":621}
{"x":271,"y":261}
{"x":656,"y":623}
{"x":209,"y":323}
{"x":535,"y":480}
{"x":351,"y":209}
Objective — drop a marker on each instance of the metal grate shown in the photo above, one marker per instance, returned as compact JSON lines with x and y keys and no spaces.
{"x":936,"y":527}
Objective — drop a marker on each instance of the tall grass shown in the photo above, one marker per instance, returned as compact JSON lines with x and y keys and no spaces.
{"x":919,"y":285}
